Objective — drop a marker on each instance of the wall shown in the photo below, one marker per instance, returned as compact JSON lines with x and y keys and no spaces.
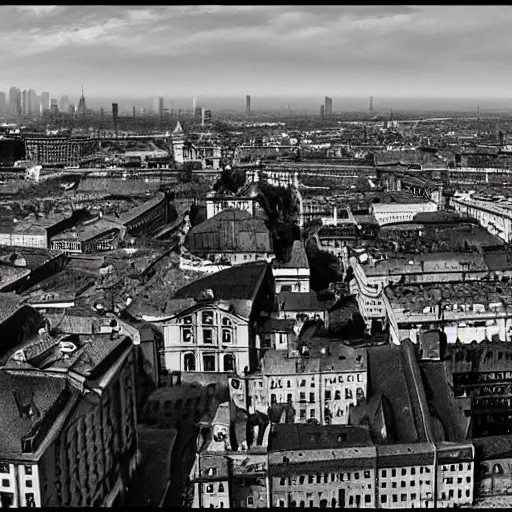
{"x":24,"y":240}
{"x":176,"y":348}
{"x":494,"y":478}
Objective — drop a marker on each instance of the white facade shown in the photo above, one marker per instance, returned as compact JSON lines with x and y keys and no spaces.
{"x":37,"y":240}
{"x":216,"y":205}
{"x":311,"y":394}
{"x":391,"y":213}
{"x":291,"y":279}
{"x":207,"y":339}
{"x":21,"y":483}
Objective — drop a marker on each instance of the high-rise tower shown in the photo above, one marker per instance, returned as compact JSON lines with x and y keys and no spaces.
{"x":248,"y":104}
{"x":82,"y":107}
{"x":328,"y":106}
{"x":371,"y":104}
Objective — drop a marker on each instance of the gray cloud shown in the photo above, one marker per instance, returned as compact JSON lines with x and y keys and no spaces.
{"x":292,"y":50}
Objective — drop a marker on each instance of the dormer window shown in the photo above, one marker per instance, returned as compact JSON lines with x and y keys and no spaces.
{"x":187,"y":319}
{"x":207,"y":317}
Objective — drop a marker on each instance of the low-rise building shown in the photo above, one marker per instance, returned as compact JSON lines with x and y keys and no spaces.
{"x":293,"y":275}
{"x":320,"y":380}
{"x":473,"y":310}
{"x":301,"y":306}
{"x":232,"y":236}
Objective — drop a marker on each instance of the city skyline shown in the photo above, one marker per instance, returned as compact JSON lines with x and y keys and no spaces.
{"x":265,"y":51}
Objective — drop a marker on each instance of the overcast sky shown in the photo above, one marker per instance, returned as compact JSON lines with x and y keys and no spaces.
{"x":259,"y":50}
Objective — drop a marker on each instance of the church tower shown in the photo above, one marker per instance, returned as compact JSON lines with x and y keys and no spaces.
{"x":178,"y":142}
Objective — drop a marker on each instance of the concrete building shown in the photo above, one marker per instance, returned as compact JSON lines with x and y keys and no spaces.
{"x":45,"y":102}
{"x":293,"y":275}
{"x":57,"y":150}
{"x":15,"y":101}
{"x":247,"y":104}
{"x":395,"y":213}
{"x":328,"y":106}
{"x":246,"y":200}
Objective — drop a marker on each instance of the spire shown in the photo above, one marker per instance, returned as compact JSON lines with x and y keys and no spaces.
{"x":82,"y":90}
{"x":178,"y":130}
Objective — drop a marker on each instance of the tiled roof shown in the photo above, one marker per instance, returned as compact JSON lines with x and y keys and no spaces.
{"x":9,"y":304}
{"x":298,"y":258}
{"x":303,"y":301}
{"x":238,"y":282}
{"x":493,"y":447}
{"x":295,"y":436}
{"x":387,"y":377}
{"x":139,"y":210}
{"x":231,"y":230}
{"x":39,"y":390}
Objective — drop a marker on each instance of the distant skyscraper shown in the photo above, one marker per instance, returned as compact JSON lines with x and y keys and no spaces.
{"x":328,"y":106}
{"x":14,"y":101}
{"x":198,"y":114}
{"x":193,"y":104}
{"x":158,"y":105}
{"x":248,"y":104}
{"x":133,"y":109}
{"x":32,"y":102}
{"x":24,"y":102}
{"x":45,"y":101}
{"x":54,"y":107}
{"x":3,"y":103}
{"x":115,"y":113}
{"x":206,"y":117}
{"x":371,"y":103}
{"x":82,"y":106}
{"x":322,"y":111}
{"x":64,"y":104}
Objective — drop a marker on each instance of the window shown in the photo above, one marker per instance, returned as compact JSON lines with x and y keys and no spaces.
{"x":413,"y":496}
{"x":282,"y":481}
{"x":302,"y":396}
{"x":468,"y":479}
{"x":209,"y":362}
{"x":356,"y":475}
{"x":383,"y":498}
{"x":403,"y":497}
{"x":404,"y":471}
{"x":452,"y":467}
{"x":187,"y":320}
{"x":29,"y":498}
{"x":289,"y":398}
{"x":302,"y":504}
{"x":303,"y":414}
{"x":28,"y":469}
{"x":328,"y":394}
{"x":312,"y":413}
{"x":186,"y":334}
{"x":207,"y":317}
{"x":367,"y":474}
{"x":337,"y":395}
{"x":393,"y":485}
{"x":189,"y":362}
{"x":395,"y":498}
{"x":318,"y":478}
{"x":367,"y":498}
{"x":449,"y":480}
{"x":413,"y":471}
{"x":302,"y":478}
{"x":459,"y":480}
{"x":450,"y":494}
{"x":28,"y":483}
{"x":348,"y":394}
{"x":402,"y":484}
{"x":227,"y":335}
{"x":384,"y":485}
{"x":468,"y":493}
{"x":208,"y":489}
{"x":384,"y":473}
{"x":311,"y":479}
{"x":311,"y":398}
{"x":393,"y":473}
{"x":5,"y":482}
{"x":459,"y":493}
{"x":226,"y":321}
{"x":273,"y":398}
{"x":4,"y":468}
{"x":229,"y":363}
{"x":208,"y":336}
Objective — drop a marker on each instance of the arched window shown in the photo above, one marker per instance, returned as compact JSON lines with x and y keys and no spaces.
{"x":497,"y":469}
{"x":189,"y":362}
{"x":229,"y":363}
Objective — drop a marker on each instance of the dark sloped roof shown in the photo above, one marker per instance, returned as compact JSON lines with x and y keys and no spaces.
{"x":303,"y":301}
{"x":238,"y":282}
{"x":155,"y":468}
{"x":387,"y":377}
{"x":296,"y":436}
{"x":40,"y":390}
{"x":140,"y":209}
{"x":493,"y":447}
{"x":231,"y":230}
{"x":9,"y":304}
{"x":298,"y":257}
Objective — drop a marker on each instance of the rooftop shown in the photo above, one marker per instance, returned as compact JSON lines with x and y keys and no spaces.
{"x":294,"y":437}
{"x":302,"y":301}
{"x":9,"y":304}
{"x":452,"y":296}
{"x":339,"y":358}
{"x":140,"y":209}
{"x":154,"y":472}
{"x":231,"y":230}
{"x":90,"y":230}
{"x":298,"y":257}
